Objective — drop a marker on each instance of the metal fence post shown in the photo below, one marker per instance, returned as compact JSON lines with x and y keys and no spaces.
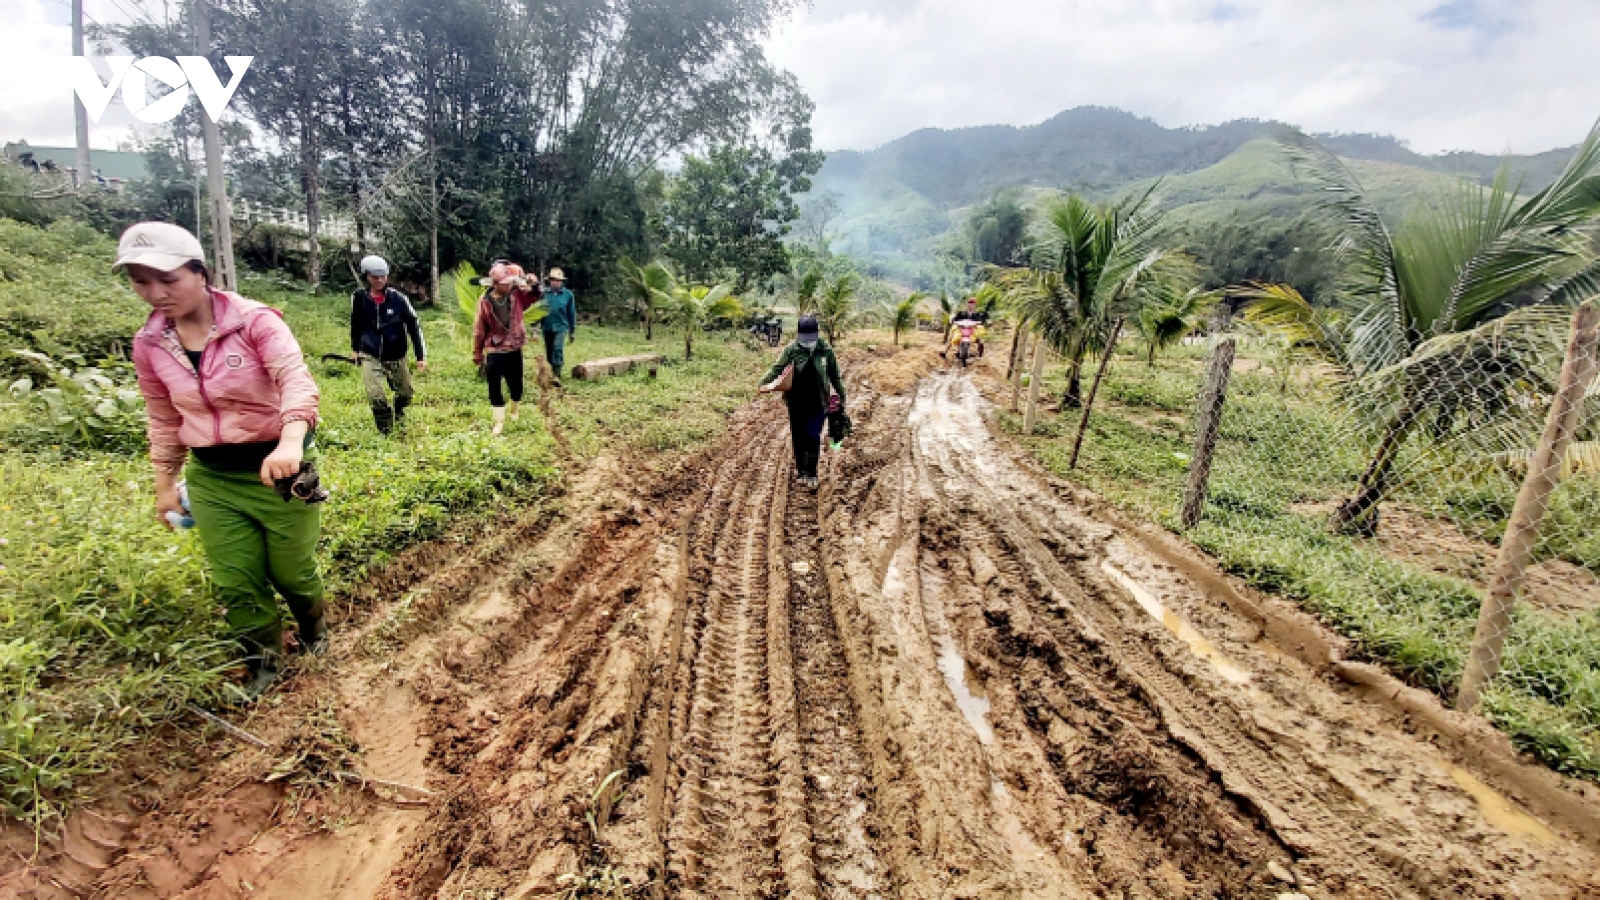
{"x":1094,"y":388}
{"x":1207,"y":420}
{"x":1544,"y":471}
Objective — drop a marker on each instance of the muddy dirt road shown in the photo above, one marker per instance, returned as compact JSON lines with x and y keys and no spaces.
{"x":939,"y":676}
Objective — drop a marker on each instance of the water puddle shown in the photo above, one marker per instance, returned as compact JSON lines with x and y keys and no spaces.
{"x":964,"y":684}
{"x":966,"y":687}
{"x":1174,"y":623}
{"x":1499,"y":810}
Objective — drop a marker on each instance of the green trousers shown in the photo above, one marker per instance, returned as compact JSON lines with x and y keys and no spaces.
{"x":256,"y":542}
{"x":380,"y":377}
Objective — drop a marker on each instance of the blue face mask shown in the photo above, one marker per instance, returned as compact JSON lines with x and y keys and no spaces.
{"x":808,"y":342}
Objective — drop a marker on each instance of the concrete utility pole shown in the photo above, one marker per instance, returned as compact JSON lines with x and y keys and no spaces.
{"x":85,"y":174}
{"x":211,"y":137}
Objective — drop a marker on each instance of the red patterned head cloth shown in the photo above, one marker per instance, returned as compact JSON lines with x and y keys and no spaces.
{"x":500,"y":273}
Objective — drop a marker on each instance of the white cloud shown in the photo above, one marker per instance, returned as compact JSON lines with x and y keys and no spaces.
{"x":35,"y":91}
{"x":1485,"y":75}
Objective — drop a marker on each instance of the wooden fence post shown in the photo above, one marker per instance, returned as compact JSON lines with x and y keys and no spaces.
{"x":1544,"y":470}
{"x":1094,"y":388}
{"x":1016,"y":372}
{"x":1037,"y":375}
{"x":1207,"y":420}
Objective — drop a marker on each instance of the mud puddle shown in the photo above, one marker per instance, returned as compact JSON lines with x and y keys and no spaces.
{"x":1176,"y":625}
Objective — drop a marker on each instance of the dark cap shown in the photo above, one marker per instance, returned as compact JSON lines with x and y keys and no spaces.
{"x":808,"y":324}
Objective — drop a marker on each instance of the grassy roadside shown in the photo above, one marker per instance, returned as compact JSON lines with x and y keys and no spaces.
{"x":106,"y":628}
{"x":1284,"y":454}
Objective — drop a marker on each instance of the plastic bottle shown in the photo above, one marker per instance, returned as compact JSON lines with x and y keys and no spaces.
{"x":181,"y":520}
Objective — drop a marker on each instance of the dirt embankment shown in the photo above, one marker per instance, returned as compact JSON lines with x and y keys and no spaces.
{"x":940,"y":676}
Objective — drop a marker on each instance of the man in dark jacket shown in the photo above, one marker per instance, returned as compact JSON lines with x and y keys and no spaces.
{"x":382,"y":325}
{"x":815,"y":369}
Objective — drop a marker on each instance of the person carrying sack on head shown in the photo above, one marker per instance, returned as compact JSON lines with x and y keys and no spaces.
{"x":499,"y":334}
{"x":382,"y":325}
{"x":804,"y":372}
{"x":224,"y":383}
{"x":560,"y":322}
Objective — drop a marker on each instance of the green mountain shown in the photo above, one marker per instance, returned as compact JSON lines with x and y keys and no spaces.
{"x":912,"y":196}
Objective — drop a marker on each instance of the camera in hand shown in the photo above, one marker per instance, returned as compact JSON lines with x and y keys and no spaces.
{"x":306,"y":485}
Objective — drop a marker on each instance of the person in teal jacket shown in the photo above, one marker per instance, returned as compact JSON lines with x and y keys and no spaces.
{"x":815,"y":370}
{"x":560,"y":322}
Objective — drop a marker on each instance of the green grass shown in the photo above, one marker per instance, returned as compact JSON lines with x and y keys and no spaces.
{"x":1282,"y":457}
{"x":106,"y":626}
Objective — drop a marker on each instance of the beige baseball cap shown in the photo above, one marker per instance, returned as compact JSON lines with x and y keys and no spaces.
{"x":557,"y":275}
{"x":159,"y":245}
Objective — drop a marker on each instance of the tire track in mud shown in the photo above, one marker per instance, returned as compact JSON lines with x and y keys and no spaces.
{"x":722,"y":839}
{"x":837,"y":776}
{"x":1181,"y":769}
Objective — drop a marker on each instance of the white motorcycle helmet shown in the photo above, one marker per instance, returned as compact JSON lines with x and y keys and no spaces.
{"x":374,"y":265}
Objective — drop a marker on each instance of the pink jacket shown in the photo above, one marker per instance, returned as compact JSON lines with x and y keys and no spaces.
{"x":252,"y":380}
{"x":490,"y":335}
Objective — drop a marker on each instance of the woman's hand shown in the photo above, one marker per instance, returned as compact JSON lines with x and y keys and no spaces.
{"x":422,"y":365}
{"x":285,"y":461}
{"x":167,"y":501}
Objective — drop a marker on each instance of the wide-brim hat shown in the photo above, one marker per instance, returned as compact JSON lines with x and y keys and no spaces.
{"x":557,"y":275}
{"x":160,"y":245}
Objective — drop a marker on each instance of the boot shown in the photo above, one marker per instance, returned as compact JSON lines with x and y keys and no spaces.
{"x":499,"y":420}
{"x":400,"y":410}
{"x":513,"y":409}
{"x":384,"y":417}
{"x":264,"y":663}
{"x":313,"y":633}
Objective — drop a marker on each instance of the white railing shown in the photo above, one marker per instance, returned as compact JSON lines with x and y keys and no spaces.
{"x":258,"y":213}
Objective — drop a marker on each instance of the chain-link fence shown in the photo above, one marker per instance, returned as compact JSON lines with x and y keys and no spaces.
{"x":1396,"y":505}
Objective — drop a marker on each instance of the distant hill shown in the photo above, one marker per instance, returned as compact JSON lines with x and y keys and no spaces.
{"x":905,"y":197}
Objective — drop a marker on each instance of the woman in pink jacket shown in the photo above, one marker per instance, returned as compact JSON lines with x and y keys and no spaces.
{"x":228,"y":391}
{"x":499,"y":333}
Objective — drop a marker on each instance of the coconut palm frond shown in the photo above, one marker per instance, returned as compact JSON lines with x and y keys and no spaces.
{"x":1281,"y":310}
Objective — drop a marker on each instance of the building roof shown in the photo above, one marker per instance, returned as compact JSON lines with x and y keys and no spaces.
{"x":123,"y":164}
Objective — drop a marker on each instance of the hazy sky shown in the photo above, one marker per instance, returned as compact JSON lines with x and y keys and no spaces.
{"x":1486,"y":75}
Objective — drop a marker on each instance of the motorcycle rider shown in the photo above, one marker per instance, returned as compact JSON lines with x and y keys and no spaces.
{"x":971,"y":316}
{"x":382,"y":324}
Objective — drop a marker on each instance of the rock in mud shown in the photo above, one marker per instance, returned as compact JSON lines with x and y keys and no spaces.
{"x":983,"y":568}
{"x":1280,"y":872}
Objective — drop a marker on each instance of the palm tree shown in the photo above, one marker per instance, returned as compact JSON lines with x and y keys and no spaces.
{"x":1170,"y":312}
{"x":903,"y":317}
{"x":836,"y":307}
{"x":1093,"y":262}
{"x":691,"y":308}
{"x":1428,"y":344}
{"x":807,"y":285}
{"x":947,"y":312}
{"x":645,"y":286}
